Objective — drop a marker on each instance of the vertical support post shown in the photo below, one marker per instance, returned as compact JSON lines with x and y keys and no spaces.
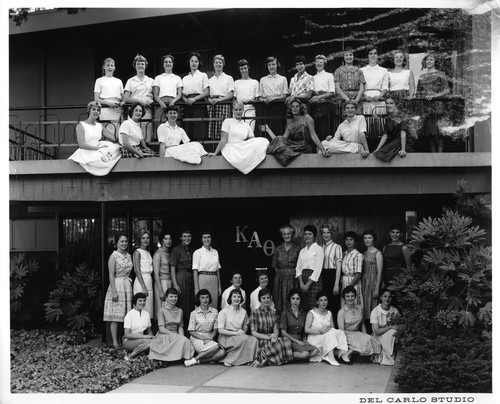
{"x":103,"y":262}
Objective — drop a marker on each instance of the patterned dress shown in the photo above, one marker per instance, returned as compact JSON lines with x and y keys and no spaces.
{"x":172,"y":346}
{"x":352,"y":263}
{"x":358,"y":341}
{"x":204,"y":324}
{"x":381,"y":317}
{"x":116,"y":311}
{"x":265,"y":321}
{"x":285,"y":150}
{"x":431,"y":83}
{"x":350,"y":79}
{"x":369,"y":281}
{"x":284,"y":262}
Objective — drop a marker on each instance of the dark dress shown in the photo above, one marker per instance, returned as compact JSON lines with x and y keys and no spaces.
{"x":285,"y":150}
{"x":182,"y":259}
{"x":394,"y":260}
{"x":393,"y":127}
{"x":431,"y":83}
{"x":284,"y":263}
{"x":295,"y":326}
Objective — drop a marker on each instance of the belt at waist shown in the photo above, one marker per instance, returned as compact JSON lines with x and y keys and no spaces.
{"x":165,"y":275}
{"x":207,"y":273}
{"x":192,"y":95}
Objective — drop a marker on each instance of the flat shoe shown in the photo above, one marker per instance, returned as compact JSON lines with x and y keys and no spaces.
{"x":331,"y":362}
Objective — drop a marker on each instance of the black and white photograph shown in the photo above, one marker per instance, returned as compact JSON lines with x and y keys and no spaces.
{"x":287,"y":199}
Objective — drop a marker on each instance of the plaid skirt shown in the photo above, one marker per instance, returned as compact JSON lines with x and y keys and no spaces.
{"x":277,"y":353}
{"x":309,"y":298}
{"x":222,"y":112}
{"x":127,"y":154}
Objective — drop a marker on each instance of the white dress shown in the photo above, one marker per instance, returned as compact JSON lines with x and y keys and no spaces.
{"x":242,"y":150}
{"x":146,"y":271}
{"x":96,"y":162}
{"x":325,"y":342}
{"x":188,"y":152}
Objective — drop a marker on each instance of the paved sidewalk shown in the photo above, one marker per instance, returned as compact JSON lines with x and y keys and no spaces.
{"x":300,"y":377}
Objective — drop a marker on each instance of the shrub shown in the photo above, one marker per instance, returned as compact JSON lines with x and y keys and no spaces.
{"x":447,"y":365}
{"x":77,"y":298}
{"x":20,"y":272}
{"x":48,"y":362}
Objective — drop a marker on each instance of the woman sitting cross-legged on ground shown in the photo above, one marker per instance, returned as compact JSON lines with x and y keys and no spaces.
{"x":136,"y":322}
{"x":350,"y":320}
{"x":170,"y":136}
{"x":299,"y":137}
{"x":232,"y":324}
{"x":131,"y":136}
{"x":384,"y":323}
{"x":274,"y":350}
{"x":393,"y":141}
{"x":202,"y":331}
{"x":238,"y":144}
{"x":292,"y":325}
{"x":350,"y":136}
{"x":170,"y":344}
{"x":97,"y":153}
{"x":323,"y":335}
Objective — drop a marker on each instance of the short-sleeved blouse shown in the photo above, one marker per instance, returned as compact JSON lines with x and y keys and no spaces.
{"x":380,"y":316}
{"x":206,"y":260}
{"x":232,"y":319}
{"x":399,"y":81}
{"x":246,"y":90}
{"x":203,"y":323}
{"x":352,"y":263}
{"x":133,"y":130}
{"x":273,"y":86}
{"x":171,"y":319}
{"x":283,"y":259}
{"x":171,"y":136}
{"x":181,"y":258}
{"x":264,"y":320}
{"x":349,"y":78}
{"x":142,"y":90}
{"x":292,"y":324}
{"x":237,"y":131}
{"x":109,"y":88}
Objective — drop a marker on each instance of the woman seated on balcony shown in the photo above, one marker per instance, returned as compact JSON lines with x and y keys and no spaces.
{"x":299,"y":137}
{"x":401,"y":81}
{"x":238,"y":144}
{"x":350,"y":136}
{"x":221,"y":87}
{"x":170,"y":344}
{"x":167,"y":87}
{"x":139,"y":89}
{"x":108,"y":91}
{"x":350,"y":320}
{"x":195,"y":88}
{"x":96,"y":156}
{"x":170,"y":137}
{"x":131,"y":137}
{"x":432,"y":84}
{"x":393,"y":141}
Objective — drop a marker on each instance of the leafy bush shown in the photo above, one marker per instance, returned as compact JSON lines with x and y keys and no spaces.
{"x":48,"y":362}
{"x":449,"y":287}
{"x":447,"y":365}
{"x":77,"y":298}
{"x":20,"y":272}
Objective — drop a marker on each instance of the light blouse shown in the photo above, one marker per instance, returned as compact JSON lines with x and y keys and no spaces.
{"x":310,"y":258}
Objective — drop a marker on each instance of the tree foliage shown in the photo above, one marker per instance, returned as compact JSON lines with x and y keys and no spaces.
{"x":21,"y":15}
{"x":20,"y":271}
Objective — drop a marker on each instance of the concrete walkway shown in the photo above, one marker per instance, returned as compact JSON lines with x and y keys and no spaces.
{"x":301,"y":377}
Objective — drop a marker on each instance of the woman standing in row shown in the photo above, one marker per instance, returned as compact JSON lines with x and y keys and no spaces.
{"x":167,"y":87}
{"x":181,"y":267}
{"x":118,"y":300}
{"x":143,"y":267}
{"x":246,"y":90}
{"x":372,"y":273}
{"x":352,"y":266}
{"x":349,"y":80}
{"x":139,"y":89}
{"x":161,"y":269}
{"x":206,"y":268}
{"x":108,"y":91}
{"x":401,"y":81}
{"x":221,"y":91}
{"x":396,"y":255}
{"x":284,"y":262}
{"x":309,"y":267}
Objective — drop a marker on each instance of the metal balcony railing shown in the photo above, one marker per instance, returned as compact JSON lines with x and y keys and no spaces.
{"x":42,"y":133}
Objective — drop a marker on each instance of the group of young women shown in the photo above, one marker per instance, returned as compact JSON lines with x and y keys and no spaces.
{"x":294,"y":321}
{"x":371,"y":90}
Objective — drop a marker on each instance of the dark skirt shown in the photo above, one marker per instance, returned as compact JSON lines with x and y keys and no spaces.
{"x":388,"y":151}
{"x":309,"y":298}
{"x":186,"y":297}
{"x":307,"y":347}
{"x":284,"y":281}
{"x":285,"y":150}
